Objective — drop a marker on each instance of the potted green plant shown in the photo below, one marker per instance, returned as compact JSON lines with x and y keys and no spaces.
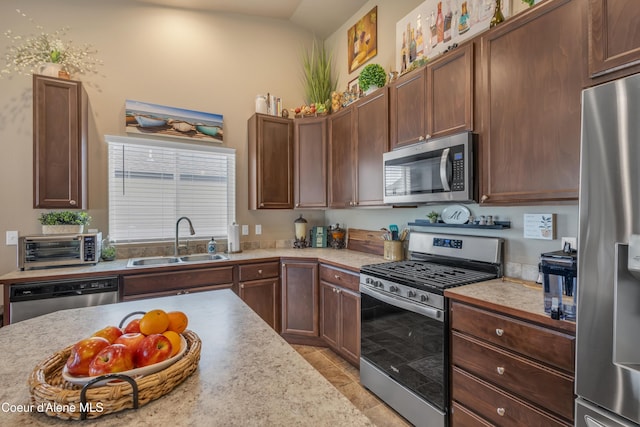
{"x":433,"y":216}
{"x":317,"y":76}
{"x":372,"y":77}
{"x":63,"y":222}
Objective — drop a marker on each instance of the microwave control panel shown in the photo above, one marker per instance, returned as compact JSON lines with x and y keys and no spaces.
{"x":457,"y":183}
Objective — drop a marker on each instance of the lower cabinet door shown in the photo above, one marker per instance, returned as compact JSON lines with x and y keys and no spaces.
{"x":263,"y":296}
{"x":350,"y":326}
{"x":329,"y":312}
{"x":300,"y":298}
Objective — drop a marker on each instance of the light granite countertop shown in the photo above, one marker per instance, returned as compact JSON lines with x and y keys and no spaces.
{"x":247,"y":375}
{"x":345,"y":258}
{"x":513,"y":297}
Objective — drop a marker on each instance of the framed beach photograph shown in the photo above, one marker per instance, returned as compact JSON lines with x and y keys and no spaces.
{"x":362,"y":40}
{"x":160,"y":120}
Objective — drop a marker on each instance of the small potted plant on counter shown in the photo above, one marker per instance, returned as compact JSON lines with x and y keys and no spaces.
{"x":64,"y":222}
{"x":433,"y":217}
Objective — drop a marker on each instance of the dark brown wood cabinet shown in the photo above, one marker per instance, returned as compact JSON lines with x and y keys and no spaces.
{"x":310,"y":162}
{"x":341,"y":158}
{"x":149,"y":285}
{"x":534,"y":68}
{"x":259,"y":288}
{"x":340,"y":312}
{"x":450,"y":92}
{"x":614,"y":38}
{"x":270,"y":162}
{"x":508,"y":371}
{"x":408,"y":109}
{"x":59,"y":144}
{"x":358,"y":136}
{"x":299,"y":299}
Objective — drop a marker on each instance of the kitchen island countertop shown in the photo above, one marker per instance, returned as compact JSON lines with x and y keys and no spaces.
{"x":247,"y":375}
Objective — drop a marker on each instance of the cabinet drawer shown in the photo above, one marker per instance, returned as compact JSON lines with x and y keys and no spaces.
{"x":259,"y":271}
{"x":545,"y":345}
{"x":495,"y":405}
{"x":159,"y":282}
{"x":463,"y":417}
{"x":340,"y":277}
{"x":533,"y":382}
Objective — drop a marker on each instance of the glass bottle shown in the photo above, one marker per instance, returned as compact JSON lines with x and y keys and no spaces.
{"x":412,"y":46}
{"x":107,"y":251}
{"x":498,"y":17}
{"x":434,"y":30}
{"x":440,"y":23}
{"x":448,"y":16}
{"x":463,"y":25}
{"x":419,"y":38}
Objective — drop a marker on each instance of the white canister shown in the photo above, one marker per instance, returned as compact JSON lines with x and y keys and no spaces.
{"x":233,"y":239}
{"x":261,"y":104}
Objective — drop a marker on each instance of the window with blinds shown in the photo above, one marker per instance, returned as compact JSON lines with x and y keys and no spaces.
{"x":153,"y":183}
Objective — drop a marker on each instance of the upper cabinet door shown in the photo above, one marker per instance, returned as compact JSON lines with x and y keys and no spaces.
{"x":310,"y":178}
{"x":450,"y":92}
{"x":270,"y":162}
{"x":341,"y":158}
{"x":533,"y":68}
{"x":59,"y":144}
{"x":407,"y":109}
{"x":614,"y":36}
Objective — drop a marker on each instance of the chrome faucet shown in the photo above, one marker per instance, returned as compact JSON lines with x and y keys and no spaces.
{"x":191,"y":230}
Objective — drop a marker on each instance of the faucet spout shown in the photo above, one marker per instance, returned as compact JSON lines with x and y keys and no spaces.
{"x":191,"y":231}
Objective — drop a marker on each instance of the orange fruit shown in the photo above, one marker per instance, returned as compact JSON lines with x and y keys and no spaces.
{"x":174,"y":337}
{"x":154,"y":322}
{"x":177,"y":321}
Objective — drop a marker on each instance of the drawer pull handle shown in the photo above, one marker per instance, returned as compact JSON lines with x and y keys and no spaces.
{"x":500,"y":370}
{"x":500,"y":411}
{"x":499,"y":332}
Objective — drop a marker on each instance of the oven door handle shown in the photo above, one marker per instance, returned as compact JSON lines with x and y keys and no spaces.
{"x":430,"y":312}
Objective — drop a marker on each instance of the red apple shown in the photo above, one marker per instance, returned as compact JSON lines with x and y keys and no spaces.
{"x":153,"y":349}
{"x":111,"y":333}
{"x":133,"y":326}
{"x":131,"y":340}
{"x":83,"y":353}
{"x":113,"y":358}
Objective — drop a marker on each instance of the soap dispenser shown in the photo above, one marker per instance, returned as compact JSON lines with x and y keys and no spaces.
{"x":211,"y":246}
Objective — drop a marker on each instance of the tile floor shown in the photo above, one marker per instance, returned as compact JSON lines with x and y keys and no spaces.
{"x":346,"y":378}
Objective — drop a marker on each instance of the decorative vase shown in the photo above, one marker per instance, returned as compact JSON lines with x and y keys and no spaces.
{"x":62,"y":229}
{"x":50,"y":69}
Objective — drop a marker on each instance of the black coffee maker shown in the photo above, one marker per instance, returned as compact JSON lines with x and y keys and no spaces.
{"x":559,"y":280}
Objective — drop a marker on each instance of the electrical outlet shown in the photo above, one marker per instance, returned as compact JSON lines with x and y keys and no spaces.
{"x":258,"y":229}
{"x":245,"y":230}
{"x":12,"y":238}
{"x":572,"y":241}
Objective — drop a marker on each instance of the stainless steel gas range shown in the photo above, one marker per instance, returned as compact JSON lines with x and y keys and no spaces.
{"x":404,"y":354}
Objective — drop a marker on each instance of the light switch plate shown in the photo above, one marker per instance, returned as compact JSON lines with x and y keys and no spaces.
{"x":12,"y":238}
{"x":245,"y":230}
{"x":258,"y":229}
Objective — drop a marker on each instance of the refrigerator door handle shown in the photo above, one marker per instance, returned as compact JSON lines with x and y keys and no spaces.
{"x":626,"y":294}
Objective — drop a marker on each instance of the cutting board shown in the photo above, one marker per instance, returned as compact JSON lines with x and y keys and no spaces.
{"x":368,"y":241}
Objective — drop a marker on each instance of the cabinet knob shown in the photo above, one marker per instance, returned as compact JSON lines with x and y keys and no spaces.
{"x":73,"y":202}
{"x":499,"y":332}
{"x":333,"y":290}
{"x":421,"y":138}
{"x":337,"y":277}
{"x":242,"y":286}
{"x":500,"y":411}
{"x":427,"y":136}
{"x":297,"y":205}
{"x":500,"y":370}
{"x":260,"y":271}
{"x":484,"y":198}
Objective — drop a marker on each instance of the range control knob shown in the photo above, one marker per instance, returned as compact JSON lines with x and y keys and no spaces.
{"x":411,"y":294}
{"x":424,"y":298}
{"x":369,"y":281}
{"x":378,"y":284}
{"x":393,"y":289}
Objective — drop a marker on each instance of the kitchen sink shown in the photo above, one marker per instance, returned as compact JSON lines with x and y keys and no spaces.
{"x":169,"y":260}
{"x":203,"y":257}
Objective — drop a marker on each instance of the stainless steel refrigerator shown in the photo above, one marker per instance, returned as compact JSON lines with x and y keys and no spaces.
{"x":608,"y":320}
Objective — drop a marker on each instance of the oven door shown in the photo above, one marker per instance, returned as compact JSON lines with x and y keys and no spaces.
{"x":408,"y":343}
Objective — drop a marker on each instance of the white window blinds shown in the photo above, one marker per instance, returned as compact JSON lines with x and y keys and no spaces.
{"x":153,"y":183}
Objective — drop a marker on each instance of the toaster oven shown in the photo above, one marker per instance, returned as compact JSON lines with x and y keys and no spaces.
{"x":58,"y":250}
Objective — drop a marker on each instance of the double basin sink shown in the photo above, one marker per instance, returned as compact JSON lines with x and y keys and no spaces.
{"x":170,"y":260}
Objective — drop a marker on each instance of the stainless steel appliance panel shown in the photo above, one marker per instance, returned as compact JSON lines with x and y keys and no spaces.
{"x":608,"y":217}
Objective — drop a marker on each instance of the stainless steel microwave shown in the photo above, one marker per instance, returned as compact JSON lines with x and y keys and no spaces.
{"x":438,"y":170}
{"x":57,"y":250}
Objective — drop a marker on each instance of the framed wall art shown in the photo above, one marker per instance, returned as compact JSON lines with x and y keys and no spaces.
{"x":160,"y":120}
{"x":362,"y":40}
{"x":438,"y":25}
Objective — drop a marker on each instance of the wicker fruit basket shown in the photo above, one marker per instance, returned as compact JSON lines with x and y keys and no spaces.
{"x":65,"y":400}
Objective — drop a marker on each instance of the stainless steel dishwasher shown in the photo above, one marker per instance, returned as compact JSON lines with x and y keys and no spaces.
{"x":27,"y":300}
